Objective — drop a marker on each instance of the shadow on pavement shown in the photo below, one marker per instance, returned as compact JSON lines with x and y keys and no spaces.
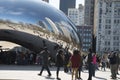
{"x":100,"y":78}
{"x":50,"y":78}
{"x":26,"y":67}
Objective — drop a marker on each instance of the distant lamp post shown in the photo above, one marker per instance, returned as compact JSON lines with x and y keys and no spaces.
{"x":94,"y":43}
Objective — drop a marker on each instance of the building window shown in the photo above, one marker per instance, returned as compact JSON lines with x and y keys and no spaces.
{"x":107,"y":43}
{"x":99,"y":20}
{"x":116,"y":38}
{"x":99,"y":26}
{"x":119,"y":11}
{"x":109,"y":32}
{"x":108,"y":21}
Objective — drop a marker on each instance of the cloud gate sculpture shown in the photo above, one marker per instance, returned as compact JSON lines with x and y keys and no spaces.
{"x":29,"y":22}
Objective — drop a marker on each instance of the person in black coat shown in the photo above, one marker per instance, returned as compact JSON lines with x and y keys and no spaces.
{"x":90,"y":65}
{"x":59,"y":62}
{"x":45,"y":61}
{"x":118,"y":62}
{"x":113,"y":65}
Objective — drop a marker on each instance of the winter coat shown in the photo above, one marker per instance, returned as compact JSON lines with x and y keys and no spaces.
{"x":75,"y":60}
{"x":59,"y":60}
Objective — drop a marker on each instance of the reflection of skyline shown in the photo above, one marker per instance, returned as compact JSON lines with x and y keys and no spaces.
{"x":38,"y":15}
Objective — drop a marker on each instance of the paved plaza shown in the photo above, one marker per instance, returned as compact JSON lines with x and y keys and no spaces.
{"x":18,"y":72}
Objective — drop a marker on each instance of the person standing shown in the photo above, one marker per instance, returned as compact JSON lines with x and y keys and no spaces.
{"x":118,"y":62}
{"x":90,"y":65}
{"x":80,"y":67}
{"x":45,"y":58}
{"x":103,"y":62}
{"x":59,"y":62}
{"x":113,"y":65}
{"x":94,"y":63}
{"x":66,"y":59}
{"x":75,"y":61}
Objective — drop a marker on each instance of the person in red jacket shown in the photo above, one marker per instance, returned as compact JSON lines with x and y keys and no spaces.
{"x":75,"y":63}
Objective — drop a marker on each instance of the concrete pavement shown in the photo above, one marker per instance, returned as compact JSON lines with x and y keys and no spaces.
{"x":15,"y":72}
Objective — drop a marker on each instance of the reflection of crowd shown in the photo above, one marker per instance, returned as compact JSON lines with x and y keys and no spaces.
{"x":26,"y":58}
{"x":7,"y":57}
{"x":20,"y":58}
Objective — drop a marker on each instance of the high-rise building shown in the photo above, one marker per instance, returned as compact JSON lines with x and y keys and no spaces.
{"x":89,"y":18}
{"x":85,"y":33}
{"x":46,"y":0}
{"x":77,"y":15}
{"x":65,"y":4}
{"x":89,"y":12}
{"x":107,"y":23}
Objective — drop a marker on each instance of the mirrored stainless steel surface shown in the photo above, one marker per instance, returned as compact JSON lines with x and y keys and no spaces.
{"x":28,"y":22}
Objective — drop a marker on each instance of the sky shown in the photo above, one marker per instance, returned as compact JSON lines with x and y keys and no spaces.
{"x":55,"y":3}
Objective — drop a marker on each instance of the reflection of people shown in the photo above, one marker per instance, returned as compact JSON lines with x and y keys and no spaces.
{"x":44,"y":43}
{"x":59,"y":62}
{"x":45,"y":59}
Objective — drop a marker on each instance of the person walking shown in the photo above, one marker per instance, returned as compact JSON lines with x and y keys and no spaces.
{"x":90,"y":66}
{"x":45,"y":58}
{"x":59,"y":62}
{"x":75,"y":63}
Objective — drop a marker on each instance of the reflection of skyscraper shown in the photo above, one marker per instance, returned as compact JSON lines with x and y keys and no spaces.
{"x":65,"y":4}
{"x":46,"y":0}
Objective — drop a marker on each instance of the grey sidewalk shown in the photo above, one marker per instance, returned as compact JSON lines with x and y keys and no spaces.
{"x":13,"y":72}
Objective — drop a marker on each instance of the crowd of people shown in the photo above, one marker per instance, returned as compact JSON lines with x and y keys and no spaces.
{"x":73,"y":62}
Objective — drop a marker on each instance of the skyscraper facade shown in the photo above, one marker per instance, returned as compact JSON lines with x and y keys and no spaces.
{"x":89,"y":12}
{"x":77,"y":15}
{"x":85,"y":33}
{"x":65,"y":4}
{"x":107,"y":23}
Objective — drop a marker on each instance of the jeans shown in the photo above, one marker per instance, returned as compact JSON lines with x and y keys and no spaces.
{"x":45,"y":67}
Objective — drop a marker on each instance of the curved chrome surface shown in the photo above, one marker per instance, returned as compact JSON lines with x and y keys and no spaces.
{"x":23,"y":21}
